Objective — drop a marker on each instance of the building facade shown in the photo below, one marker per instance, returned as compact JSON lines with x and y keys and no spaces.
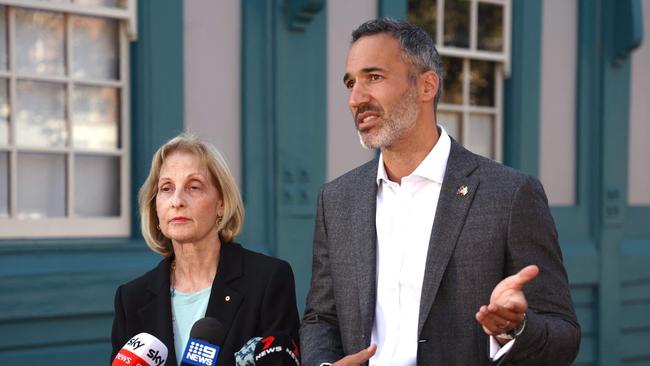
{"x":90,"y":88}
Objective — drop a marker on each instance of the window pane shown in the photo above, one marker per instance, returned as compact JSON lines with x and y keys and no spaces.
{"x":490,"y":27}
{"x":452,"y":85}
{"x":40,"y":42}
{"x":424,"y":13}
{"x":481,"y":135}
{"x":3,"y":38}
{"x":451,"y":122}
{"x":4,"y":112}
{"x":481,"y":83}
{"x":95,"y":117}
{"x":41,"y":186}
{"x":457,"y":23}
{"x":40,"y":114}
{"x":111,"y":3}
{"x":95,"y":50}
{"x":97,"y":186}
{"x":4,"y":185}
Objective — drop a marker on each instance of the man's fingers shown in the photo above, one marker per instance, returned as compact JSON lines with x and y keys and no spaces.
{"x":357,"y":358}
{"x":527,"y":274}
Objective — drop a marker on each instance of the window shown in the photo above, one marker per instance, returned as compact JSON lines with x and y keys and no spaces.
{"x":473,"y":40}
{"x":64,"y":118}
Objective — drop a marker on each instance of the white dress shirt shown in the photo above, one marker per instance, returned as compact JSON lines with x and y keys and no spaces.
{"x":404,"y":219}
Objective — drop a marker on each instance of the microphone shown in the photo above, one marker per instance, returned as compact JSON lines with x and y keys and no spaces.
{"x":206,"y":338}
{"x":142,"y":350}
{"x":246,"y":355}
{"x":277,"y":350}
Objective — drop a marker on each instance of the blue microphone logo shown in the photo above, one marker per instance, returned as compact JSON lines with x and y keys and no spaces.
{"x":200,"y":353}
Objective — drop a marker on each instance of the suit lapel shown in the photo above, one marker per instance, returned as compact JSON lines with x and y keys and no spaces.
{"x":156,"y":314}
{"x":453,"y":205}
{"x":364,"y":241}
{"x":224,"y":300}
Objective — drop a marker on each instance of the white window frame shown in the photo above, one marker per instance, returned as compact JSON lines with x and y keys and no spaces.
{"x":71,"y":225}
{"x":502,"y":70}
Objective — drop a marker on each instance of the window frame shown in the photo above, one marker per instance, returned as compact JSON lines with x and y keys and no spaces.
{"x":71,"y":225}
{"x":466,"y":55}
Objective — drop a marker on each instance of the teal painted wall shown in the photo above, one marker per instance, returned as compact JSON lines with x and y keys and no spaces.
{"x":56,"y":302}
{"x":284,"y":129}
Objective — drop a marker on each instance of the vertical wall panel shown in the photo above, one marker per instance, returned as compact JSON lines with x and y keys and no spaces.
{"x":212,"y":39}
{"x":344,"y":152}
{"x":557,"y":126}
{"x":639,"y":149}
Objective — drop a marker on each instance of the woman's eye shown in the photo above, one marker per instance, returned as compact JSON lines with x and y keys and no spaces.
{"x":165,"y":189}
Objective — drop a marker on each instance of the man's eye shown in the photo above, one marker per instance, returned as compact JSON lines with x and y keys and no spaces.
{"x":349,"y":84}
{"x":375,"y":77}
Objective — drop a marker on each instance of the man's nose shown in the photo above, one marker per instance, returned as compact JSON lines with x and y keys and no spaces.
{"x":358,"y":96}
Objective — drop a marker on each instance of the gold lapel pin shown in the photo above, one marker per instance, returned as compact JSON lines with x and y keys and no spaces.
{"x":227,"y":298}
{"x":462,"y":191}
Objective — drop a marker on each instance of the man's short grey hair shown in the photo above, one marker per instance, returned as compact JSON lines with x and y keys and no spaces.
{"x":416,"y":44}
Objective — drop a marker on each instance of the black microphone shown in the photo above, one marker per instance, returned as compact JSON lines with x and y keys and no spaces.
{"x":277,"y":350}
{"x":206,"y":339}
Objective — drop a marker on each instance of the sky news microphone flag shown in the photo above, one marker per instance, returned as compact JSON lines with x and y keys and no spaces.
{"x":142,"y":350}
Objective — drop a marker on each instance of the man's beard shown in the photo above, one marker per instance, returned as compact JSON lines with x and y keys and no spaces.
{"x":394,"y":125}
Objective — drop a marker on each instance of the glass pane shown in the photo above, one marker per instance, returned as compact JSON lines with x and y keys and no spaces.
{"x":451,"y":121}
{"x":41,"y":186}
{"x":4,"y":185}
{"x":40,"y":45}
{"x":97,"y":186}
{"x":3,"y":38}
{"x":481,"y":83}
{"x":481,"y":135}
{"x":4,"y":112}
{"x":95,"y":48}
{"x":490,"y":27}
{"x":111,"y":3}
{"x":452,"y":85}
{"x":40,"y":114}
{"x":457,"y":23}
{"x":95,"y":117}
{"x":424,"y":13}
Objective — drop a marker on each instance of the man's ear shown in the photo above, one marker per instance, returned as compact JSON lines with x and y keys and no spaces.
{"x":429,"y":82}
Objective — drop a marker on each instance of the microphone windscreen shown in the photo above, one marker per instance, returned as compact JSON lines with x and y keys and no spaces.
{"x":142,"y":350}
{"x":208,"y":329}
{"x":246,"y":355}
{"x":277,"y":350}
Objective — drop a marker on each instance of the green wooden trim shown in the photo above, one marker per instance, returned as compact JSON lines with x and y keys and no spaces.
{"x":157,"y":97}
{"x":396,"y":9}
{"x":258,"y":124}
{"x":522,"y":90}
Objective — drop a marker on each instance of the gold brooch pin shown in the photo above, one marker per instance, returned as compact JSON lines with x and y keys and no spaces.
{"x":462,"y":191}
{"x":227,"y":298}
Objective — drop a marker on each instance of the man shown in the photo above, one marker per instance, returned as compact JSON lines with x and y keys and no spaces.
{"x":421,"y":255}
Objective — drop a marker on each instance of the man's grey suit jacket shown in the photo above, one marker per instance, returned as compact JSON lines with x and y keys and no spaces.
{"x":499,"y":226}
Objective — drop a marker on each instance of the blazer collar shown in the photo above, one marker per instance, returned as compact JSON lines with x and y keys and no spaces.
{"x":456,"y":194}
{"x":156,"y":314}
{"x":363,"y":199}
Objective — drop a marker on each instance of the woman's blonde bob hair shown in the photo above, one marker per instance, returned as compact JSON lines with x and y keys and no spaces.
{"x":233,"y":213}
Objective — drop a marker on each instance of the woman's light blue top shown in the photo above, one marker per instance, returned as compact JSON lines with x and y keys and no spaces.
{"x":187,"y":308}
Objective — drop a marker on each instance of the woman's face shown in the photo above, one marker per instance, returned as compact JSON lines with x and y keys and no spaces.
{"x":187,"y":202}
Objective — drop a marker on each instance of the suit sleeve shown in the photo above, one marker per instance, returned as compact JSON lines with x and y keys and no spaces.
{"x":552,"y":334}
{"x":319,"y":334}
{"x":279,"y":311}
{"x":118,"y":334}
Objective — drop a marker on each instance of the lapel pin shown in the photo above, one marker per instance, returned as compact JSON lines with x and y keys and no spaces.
{"x":462,"y":191}
{"x":227,"y":298}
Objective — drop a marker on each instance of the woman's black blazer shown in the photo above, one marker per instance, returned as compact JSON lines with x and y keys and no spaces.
{"x":252,"y":295}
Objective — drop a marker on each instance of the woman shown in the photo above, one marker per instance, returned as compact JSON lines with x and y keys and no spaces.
{"x":190,"y":211}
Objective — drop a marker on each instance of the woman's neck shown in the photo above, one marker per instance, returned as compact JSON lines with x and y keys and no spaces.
{"x":194,"y":266}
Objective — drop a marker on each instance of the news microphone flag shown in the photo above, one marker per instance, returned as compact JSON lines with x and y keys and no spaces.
{"x":205,"y":341}
{"x":246,"y":355}
{"x":277,"y":350}
{"x":142,"y":350}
